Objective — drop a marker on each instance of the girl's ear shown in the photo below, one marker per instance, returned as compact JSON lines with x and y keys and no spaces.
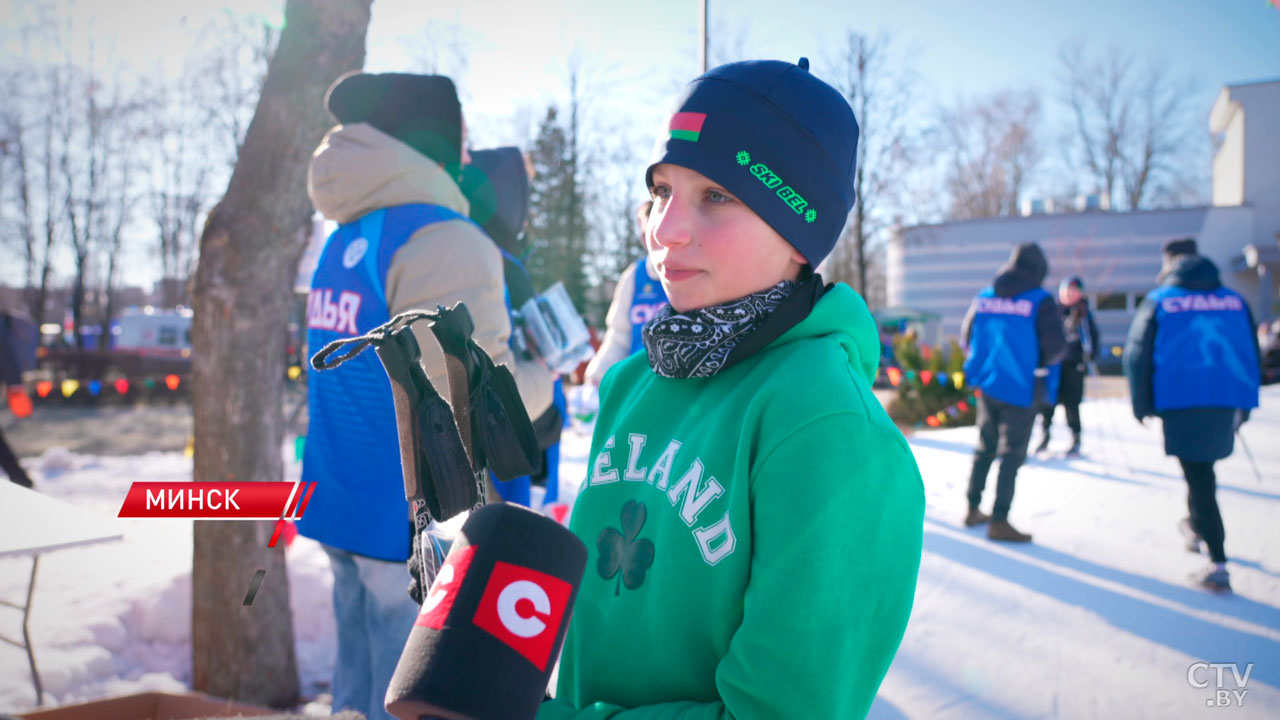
{"x":795,"y":255}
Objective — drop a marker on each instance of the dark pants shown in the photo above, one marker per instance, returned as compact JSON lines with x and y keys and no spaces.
{"x":9,"y":462}
{"x":1202,"y":502}
{"x":1003,"y":430}
{"x":1070,"y":393}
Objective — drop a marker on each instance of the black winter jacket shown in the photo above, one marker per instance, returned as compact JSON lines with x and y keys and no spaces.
{"x":1078,"y":324}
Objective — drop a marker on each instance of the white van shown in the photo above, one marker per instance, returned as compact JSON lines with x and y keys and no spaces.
{"x":155,"y":333}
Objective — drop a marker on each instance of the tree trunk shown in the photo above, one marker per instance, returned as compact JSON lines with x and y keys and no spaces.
{"x":28,"y":226}
{"x":42,"y":293}
{"x":77,"y":303}
{"x":50,"y":227}
{"x":109,"y":308}
{"x":250,"y":249}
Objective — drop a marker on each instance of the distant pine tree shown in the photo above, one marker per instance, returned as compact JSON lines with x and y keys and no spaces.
{"x":557,"y":210}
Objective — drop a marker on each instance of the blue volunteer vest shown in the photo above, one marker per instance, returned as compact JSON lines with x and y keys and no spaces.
{"x":352,"y":451}
{"x":647,"y":299}
{"x":1004,"y":346}
{"x":1204,"y":354}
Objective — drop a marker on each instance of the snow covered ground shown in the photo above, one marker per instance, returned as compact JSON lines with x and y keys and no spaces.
{"x":1095,"y":619}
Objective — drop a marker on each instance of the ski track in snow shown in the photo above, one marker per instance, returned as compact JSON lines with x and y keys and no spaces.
{"x":1095,"y":619}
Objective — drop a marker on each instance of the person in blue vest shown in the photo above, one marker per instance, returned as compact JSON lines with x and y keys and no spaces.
{"x":637,"y":297}
{"x":1013,"y":334}
{"x":386,"y":175}
{"x":496,"y":184}
{"x":1082,"y":341}
{"x":1192,"y":359}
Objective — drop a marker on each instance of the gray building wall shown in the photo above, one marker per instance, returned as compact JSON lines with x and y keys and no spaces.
{"x":939,"y":268}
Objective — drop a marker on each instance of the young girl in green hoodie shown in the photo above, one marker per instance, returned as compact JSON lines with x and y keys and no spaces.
{"x":753,"y":517}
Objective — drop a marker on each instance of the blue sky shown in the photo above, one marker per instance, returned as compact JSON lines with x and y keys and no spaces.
{"x":636,"y":56}
{"x":515,"y":54}
{"x":519,"y":50}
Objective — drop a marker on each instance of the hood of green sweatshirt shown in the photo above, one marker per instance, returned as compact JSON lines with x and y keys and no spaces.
{"x":842,"y":313}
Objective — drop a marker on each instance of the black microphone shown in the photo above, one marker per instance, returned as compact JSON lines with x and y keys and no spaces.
{"x":492,"y":623}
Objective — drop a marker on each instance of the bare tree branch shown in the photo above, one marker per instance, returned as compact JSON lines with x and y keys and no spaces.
{"x":992,"y":149}
{"x":1131,"y":122}
{"x":880,"y":94}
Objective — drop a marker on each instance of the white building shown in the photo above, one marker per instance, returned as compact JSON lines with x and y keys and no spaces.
{"x":939,"y":268}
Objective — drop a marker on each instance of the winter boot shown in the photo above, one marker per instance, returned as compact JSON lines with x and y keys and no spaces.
{"x":1193,"y":537}
{"x":975,"y":517}
{"x":1213,"y":578}
{"x":1002,"y":530}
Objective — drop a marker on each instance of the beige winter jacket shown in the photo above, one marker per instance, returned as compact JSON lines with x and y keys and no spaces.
{"x":358,"y":169}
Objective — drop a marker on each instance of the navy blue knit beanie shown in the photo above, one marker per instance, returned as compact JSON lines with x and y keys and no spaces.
{"x":777,"y":137}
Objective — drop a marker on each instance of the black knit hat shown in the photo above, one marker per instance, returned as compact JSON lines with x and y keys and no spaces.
{"x":1182,"y":246}
{"x":774,"y":135}
{"x":422,"y":111}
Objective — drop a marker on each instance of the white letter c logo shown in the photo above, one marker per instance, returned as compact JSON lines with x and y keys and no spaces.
{"x":525,"y":627}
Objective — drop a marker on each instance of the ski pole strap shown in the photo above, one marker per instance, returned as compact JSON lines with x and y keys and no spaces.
{"x":452,"y":329}
{"x":497,"y":424}
{"x":439,"y":478}
{"x":445,"y":447}
{"x":502,"y":423}
{"x":329,"y":357}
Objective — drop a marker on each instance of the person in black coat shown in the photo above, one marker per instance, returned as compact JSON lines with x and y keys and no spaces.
{"x":1013,"y":333}
{"x":1192,"y":359}
{"x":18,"y":400}
{"x":1082,"y":342}
{"x":496,"y":184}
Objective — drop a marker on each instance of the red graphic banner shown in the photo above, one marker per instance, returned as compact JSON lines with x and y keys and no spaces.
{"x":217,"y":500}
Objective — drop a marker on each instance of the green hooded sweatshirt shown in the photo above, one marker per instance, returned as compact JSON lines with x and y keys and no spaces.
{"x":753,"y":537}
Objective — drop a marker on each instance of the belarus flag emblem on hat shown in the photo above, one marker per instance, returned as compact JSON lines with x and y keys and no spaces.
{"x":686,"y":125}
